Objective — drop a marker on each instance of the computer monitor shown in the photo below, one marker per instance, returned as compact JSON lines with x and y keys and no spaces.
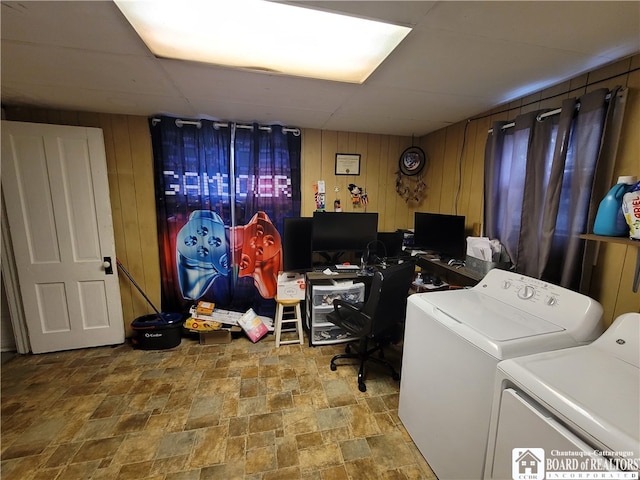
{"x":343,"y":231}
{"x":296,"y":244}
{"x":440,"y":233}
{"x":389,"y":244}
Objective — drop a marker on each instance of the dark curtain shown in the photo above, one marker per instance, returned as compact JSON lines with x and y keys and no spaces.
{"x":539,"y":177}
{"x":218,"y":191}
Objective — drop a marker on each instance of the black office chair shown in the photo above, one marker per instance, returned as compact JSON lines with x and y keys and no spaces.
{"x":377,"y":319}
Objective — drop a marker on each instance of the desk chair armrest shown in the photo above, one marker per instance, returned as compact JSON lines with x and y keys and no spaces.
{"x":350,"y":317}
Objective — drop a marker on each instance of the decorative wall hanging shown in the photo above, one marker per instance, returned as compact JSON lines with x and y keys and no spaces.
{"x":411,"y":189}
{"x":412,"y":161}
{"x":410,"y":183}
{"x":319,"y":195}
{"x":358,"y":195}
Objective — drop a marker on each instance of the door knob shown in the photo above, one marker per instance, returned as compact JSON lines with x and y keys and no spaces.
{"x":108,"y":268}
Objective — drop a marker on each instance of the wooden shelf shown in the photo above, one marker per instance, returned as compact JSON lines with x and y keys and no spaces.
{"x":602,"y":238}
{"x":624,"y":241}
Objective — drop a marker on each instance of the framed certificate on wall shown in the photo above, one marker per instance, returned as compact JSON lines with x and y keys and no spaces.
{"x":347,"y":164}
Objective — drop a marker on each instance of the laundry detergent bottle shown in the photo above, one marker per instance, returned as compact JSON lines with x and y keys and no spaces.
{"x":610,"y":220}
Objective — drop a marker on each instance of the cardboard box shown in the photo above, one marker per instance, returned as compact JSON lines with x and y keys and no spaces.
{"x":217,"y":337}
{"x":205,"y":308}
{"x":291,"y":286}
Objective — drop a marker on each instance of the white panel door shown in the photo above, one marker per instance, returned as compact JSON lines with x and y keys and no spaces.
{"x":55,"y":188}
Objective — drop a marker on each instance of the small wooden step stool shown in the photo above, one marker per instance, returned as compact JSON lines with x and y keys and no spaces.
{"x":288,"y":311}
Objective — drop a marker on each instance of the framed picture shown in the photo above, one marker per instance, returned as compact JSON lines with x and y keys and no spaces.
{"x":347,"y":164}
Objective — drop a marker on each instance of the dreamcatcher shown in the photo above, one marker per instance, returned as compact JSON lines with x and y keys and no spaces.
{"x":409,"y":177}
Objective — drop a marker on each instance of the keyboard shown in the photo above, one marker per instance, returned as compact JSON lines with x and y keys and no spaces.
{"x":347,"y":267}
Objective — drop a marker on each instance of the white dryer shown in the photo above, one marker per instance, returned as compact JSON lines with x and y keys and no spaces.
{"x":577,"y":410}
{"x":452,"y":344}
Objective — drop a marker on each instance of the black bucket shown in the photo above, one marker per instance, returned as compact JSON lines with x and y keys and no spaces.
{"x":157,"y":331}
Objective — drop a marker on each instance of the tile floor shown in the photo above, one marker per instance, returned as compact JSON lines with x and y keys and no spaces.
{"x":234,"y":411}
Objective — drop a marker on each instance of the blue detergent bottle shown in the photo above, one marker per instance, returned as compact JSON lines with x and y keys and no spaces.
{"x":610,"y":220}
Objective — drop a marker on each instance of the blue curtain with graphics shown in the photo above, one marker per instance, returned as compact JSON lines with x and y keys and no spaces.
{"x":221,"y":195}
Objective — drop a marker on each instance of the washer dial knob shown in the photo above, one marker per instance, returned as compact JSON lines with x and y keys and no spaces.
{"x":526,"y":292}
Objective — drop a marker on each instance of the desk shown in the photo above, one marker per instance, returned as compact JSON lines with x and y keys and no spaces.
{"x":460,"y":276}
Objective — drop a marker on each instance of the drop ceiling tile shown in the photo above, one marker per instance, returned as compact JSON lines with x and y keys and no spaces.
{"x":88,"y":25}
{"x":219,"y":83}
{"x":42,"y":65}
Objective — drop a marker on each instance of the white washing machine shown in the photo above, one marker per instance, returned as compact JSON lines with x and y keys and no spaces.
{"x":576,"y":410}
{"x":452,"y":344}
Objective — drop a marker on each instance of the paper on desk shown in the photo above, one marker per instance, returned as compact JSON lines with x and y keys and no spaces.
{"x":328,"y":271}
{"x":483,"y":248}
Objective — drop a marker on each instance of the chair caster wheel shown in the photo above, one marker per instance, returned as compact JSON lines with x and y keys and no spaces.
{"x":362,"y":387}
{"x":334,"y":367}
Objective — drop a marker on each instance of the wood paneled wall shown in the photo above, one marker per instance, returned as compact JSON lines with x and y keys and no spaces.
{"x":453,"y":175}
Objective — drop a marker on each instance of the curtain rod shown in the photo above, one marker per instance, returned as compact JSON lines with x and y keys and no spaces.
{"x":197,"y":123}
{"x":544,"y":115}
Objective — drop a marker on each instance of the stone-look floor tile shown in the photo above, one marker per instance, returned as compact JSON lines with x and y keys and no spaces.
{"x":79,"y":470}
{"x":163,"y":466}
{"x":63,"y":454}
{"x":362,"y":423}
{"x":390,"y":450}
{"x":97,"y":449}
{"x":188,"y":475}
{"x":329,"y":418}
{"x":24,"y":450}
{"x":225,"y":471}
{"x":128,"y":423}
{"x":261,"y":439}
{"x":362,"y":469}
{"x":287,"y":452}
{"x":252,"y":405}
{"x":138,"y":447}
{"x":355,"y":449}
{"x":338,"y":392}
{"x":279,"y":401}
{"x":335,"y":473}
{"x":229,"y":407}
{"x":134,"y":471}
{"x":264,"y":422}
{"x":236,"y":449}
{"x":385,"y":422}
{"x":178,"y":443}
{"x":339,"y":434}
{"x":41,"y":431}
{"x":261,"y":460}
{"x":290,"y":473}
{"x":47,"y":474}
{"x":209,"y":447}
{"x":249,"y":387}
{"x":320,"y":457}
{"x":248,"y":411}
{"x":238,"y":426}
{"x":309,"y":440}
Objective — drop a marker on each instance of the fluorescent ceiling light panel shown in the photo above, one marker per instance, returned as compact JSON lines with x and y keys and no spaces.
{"x":266,"y":36}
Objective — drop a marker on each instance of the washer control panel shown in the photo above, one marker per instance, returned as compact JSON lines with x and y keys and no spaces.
{"x":559,"y":305}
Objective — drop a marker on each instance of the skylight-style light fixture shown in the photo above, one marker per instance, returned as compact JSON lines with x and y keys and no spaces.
{"x":265,"y":36}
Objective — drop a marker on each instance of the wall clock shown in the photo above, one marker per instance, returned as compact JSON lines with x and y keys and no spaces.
{"x":412,"y":161}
